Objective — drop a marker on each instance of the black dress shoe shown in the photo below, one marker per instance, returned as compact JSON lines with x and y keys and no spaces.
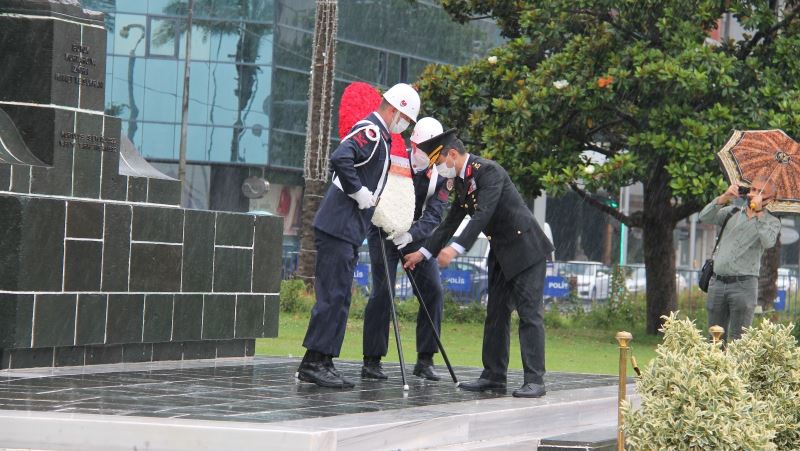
{"x":482,"y":385}
{"x":426,"y":371}
{"x":372,"y":369}
{"x":319,"y":373}
{"x":530,"y":390}
{"x":345,"y":382}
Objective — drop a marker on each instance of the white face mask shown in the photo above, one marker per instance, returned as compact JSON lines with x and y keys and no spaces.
{"x":446,"y":171}
{"x":419,"y":160}
{"x":398,"y":124}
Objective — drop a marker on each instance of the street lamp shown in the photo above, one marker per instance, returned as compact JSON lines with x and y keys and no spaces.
{"x":125,"y":32}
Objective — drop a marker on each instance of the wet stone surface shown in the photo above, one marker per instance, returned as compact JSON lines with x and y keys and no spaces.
{"x":261,"y":389}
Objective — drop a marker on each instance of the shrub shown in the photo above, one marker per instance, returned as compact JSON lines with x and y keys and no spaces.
{"x":555,"y":319}
{"x":768,"y":360}
{"x":459,"y":313}
{"x":623,"y":311}
{"x":692,"y":397}
{"x":294,"y":297}
{"x":407,"y":310}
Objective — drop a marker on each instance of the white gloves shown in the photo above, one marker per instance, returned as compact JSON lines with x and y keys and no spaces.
{"x":402,"y":240}
{"x":364,"y":198}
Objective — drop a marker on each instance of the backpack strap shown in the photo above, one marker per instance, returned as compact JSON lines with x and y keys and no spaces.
{"x":724,"y":223}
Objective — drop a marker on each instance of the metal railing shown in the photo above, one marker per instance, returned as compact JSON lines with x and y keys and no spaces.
{"x":466,"y":280}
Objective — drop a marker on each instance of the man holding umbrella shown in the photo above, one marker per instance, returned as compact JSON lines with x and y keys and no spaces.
{"x":771,"y":160}
{"x":733,"y":290}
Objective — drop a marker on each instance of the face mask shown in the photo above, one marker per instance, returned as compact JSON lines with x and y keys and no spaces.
{"x":445,"y":170}
{"x":419,"y":160}
{"x":398,"y":124}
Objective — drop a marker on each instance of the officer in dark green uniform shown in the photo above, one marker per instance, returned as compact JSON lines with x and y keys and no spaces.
{"x":516,"y":261}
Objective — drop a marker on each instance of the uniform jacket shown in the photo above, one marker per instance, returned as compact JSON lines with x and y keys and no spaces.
{"x":338,"y":214}
{"x":497,"y":209}
{"x":426,"y":216}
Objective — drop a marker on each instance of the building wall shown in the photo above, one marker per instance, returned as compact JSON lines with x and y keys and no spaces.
{"x":249,"y":71}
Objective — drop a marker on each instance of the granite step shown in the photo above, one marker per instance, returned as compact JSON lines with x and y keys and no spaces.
{"x":593,"y":439}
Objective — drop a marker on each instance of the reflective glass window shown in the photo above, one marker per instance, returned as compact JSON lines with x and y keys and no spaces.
{"x":162,"y":92}
{"x":157,"y":141}
{"x":196,"y":142}
{"x":292,"y":48}
{"x":201,"y":46}
{"x":290,"y":100}
{"x":201,"y":92}
{"x":129,"y":35}
{"x":126,"y":93}
{"x":404,"y":70}
{"x":223,"y":101}
{"x":163,"y":37}
{"x":287,"y":149}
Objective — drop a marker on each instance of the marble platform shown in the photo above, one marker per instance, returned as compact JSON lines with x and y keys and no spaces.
{"x":256,"y":403}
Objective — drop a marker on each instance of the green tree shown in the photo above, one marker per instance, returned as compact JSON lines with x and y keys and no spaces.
{"x":638,"y":81}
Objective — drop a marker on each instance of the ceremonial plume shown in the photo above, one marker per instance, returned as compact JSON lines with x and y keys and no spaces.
{"x":395,"y":210}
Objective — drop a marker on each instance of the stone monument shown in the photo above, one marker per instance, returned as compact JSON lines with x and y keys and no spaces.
{"x":98,"y":262}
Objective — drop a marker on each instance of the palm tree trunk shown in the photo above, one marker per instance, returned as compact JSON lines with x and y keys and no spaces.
{"x":318,"y":131}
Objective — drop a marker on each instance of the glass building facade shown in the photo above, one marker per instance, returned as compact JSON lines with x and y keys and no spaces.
{"x":249,"y":79}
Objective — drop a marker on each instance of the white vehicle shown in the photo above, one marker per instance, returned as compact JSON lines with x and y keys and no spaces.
{"x":592,"y":279}
{"x":636,"y":281}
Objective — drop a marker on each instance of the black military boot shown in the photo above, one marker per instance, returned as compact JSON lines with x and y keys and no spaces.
{"x":372,"y":368}
{"x":316,"y":368}
{"x":424,"y":367}
{"x":329,"y":363}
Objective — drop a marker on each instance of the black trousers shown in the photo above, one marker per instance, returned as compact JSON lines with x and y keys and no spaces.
{"x":522,"y":293}
{"x":377,"y":315}
{"x":336,"y":260}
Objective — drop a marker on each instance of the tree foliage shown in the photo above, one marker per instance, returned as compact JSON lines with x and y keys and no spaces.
{"x":638,"y":81}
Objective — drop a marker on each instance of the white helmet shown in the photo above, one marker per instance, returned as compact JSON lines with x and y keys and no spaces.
{"x":404,"y":98}
{"x":425,"y":129}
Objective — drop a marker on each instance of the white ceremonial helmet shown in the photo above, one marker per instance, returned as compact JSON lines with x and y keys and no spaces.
{"x":425,"y":129}
{"x":403,"y":97}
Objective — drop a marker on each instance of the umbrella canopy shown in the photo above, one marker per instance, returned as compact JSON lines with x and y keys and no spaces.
{"x":768,"y":153}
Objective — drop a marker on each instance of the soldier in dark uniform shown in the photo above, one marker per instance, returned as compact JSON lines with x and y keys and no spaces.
{"x":431,"y":196}
{"x":360,"y":165}
{"x":517,"y":265}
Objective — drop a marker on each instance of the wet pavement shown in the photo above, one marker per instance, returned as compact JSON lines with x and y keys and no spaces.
{"x":260,"y":390}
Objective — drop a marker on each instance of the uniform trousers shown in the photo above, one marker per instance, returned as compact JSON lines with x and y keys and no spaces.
{"x":522,"y":293}
{"x":377,"y":315}
{"x":336,"y":260}
{"x":732,"y":304}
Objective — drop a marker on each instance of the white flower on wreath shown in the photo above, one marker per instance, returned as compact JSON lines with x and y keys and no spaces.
{"x":589,"y":169}
{"x":560,"y":84}
{"x":395,"y":211}
{"x":492,"y":59}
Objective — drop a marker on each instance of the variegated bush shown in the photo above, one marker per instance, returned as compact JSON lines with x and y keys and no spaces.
{"x":693,"y":398}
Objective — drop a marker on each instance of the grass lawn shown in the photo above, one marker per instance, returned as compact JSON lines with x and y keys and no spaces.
{"x":570,"y":350}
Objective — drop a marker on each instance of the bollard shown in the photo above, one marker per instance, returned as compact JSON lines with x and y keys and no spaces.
{"x":716,"y":333}
{"x":623,"y":338}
